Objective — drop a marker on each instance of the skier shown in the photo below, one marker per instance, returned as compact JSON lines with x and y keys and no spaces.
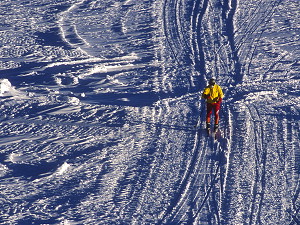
{"x":213,"y":94}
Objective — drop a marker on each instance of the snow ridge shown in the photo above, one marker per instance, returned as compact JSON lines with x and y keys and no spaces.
{"x":102,"y":121}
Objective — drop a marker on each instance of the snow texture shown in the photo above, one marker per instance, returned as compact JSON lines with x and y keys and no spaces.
{"x":99,"y":100}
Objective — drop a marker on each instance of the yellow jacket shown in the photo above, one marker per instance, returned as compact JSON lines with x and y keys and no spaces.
{"x":212,"y":94}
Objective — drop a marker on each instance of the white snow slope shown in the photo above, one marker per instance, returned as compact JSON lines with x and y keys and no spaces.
{"x":99,"y":99}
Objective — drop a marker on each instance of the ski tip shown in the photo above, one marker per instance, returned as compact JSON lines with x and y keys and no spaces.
{"x":207,"y":131}
{"x":217,"y":135}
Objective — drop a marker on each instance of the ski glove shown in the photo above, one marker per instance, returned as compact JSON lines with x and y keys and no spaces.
{"x":206,"y":96}
{"x":216,"y":99}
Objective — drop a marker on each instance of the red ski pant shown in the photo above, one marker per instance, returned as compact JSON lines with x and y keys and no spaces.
{"x":210,"y":107}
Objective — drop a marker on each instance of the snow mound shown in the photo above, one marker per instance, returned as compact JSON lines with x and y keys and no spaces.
{"x":63,"y":168}
{"x":3,"y":170}
{"x":5,"y":86}
{"x":7,"y":90}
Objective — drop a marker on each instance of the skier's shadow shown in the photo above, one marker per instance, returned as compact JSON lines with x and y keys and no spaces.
{"x":186,"y":128}
{"x":218,"y":157}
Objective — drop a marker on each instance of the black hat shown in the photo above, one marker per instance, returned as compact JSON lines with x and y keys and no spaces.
{"x":212,"y":81}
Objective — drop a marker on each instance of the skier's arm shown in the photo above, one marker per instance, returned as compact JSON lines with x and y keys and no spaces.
{"x":221,"y":95}
{"x":205,"y":94}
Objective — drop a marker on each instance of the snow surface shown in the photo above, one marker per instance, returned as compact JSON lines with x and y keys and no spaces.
{"x":99,"y":100}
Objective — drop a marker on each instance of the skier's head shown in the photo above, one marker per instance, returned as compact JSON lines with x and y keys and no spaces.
{"x":212,"y":81}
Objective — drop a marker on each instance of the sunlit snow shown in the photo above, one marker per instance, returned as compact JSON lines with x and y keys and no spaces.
{"x":102,"y":120}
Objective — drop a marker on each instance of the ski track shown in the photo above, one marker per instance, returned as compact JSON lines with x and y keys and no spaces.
{"x":98,"y":124}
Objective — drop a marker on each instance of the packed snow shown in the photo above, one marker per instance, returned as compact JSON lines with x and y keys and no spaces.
{"x":102,"y":120}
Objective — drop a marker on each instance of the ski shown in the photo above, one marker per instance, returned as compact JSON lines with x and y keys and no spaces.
{"x":217,"y":134}
{"x":208,"y":131}
{"x":197,"y":125}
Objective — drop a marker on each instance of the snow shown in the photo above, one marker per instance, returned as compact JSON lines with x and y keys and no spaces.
{"x":63,"y":168}
{"x":5,"y":86}
{"x":99,"y":101}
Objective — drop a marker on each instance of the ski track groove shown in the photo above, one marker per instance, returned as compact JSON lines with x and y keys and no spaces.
{"x":252,"y":27}
{"x":205,"y":170}
{"x":206,"y":178}
{"x":168,"y":34}
{"x":184,"y":184}
{"x":260,"y":163}
{"x":137,"y":189}
{"x":251,"y":53}
{"x":204,"y":174}
{"x":296,"y":152}
{"x":197,"y":22}
{"x":196,"y":28}
{"x":179,"y":210}
{"x":218,"y":46}
{"x":173,"y":209}
{"x":72,"y":29}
